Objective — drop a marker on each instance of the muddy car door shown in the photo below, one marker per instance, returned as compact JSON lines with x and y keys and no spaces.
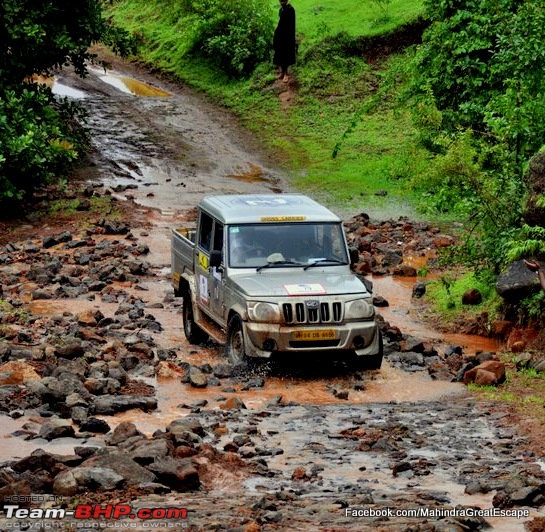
{"x":209,"y":268}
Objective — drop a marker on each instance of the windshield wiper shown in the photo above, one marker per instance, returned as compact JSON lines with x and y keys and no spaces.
{"x":277,"y":263}
{"x":336,"y":261}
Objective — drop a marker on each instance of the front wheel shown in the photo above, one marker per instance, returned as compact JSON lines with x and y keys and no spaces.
{"x":235,"y":348}
{"x":369,"y":362}
{"x":193,"y":333}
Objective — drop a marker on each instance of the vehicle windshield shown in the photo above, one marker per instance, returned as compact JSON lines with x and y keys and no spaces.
{"x":288,"y":245}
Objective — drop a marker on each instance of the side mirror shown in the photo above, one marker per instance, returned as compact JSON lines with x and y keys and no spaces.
{"x":354,"y":255}
{"x":215,"y":258}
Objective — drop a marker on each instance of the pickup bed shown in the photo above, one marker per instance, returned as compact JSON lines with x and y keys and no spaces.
{"x":270,"y":274}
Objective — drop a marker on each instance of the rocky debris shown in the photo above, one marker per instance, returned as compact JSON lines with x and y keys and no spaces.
{"x":168,"y":461}
{"x":382,"y":247}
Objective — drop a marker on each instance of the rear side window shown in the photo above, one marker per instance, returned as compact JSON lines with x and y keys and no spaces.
{"x":205,"y":232}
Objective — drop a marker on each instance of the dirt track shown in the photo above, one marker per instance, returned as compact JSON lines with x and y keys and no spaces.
{"x":295,"y":450}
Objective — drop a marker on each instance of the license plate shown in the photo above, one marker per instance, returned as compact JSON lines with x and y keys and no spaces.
{"x":320,"y":334}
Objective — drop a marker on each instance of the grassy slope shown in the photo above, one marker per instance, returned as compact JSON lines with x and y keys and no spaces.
{"x":329,"y":94}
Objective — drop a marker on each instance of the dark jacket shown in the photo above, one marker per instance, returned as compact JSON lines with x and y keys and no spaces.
{"x":284,"y":37}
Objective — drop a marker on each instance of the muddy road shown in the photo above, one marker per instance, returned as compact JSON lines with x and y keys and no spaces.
{"x":285,"y":448}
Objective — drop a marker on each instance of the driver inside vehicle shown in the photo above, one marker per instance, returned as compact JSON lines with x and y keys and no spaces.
{"x":244,"y":245}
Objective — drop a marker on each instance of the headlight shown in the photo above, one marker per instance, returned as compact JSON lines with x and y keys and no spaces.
{"x":264,"y":312}
{"x":359,"y":309}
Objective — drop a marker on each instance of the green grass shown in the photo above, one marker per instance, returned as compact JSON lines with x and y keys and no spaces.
{"x":377,"y":150}
{"x":445,"y":295}
{"x":364,"y":17}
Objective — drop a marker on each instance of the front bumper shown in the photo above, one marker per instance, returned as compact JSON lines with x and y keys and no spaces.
{"x":264,"y":339}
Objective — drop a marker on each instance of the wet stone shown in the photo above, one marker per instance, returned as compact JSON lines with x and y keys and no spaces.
{"x":197,"y":378}
{"x":56,"y":428}
{"x":95,"y":425}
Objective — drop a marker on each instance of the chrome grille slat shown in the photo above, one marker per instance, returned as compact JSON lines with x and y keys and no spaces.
{"x":324,"y":312}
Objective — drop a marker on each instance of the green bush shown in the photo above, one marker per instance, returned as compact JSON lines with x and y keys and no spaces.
{"x":35,"y":140}
{"x":235,"y":34}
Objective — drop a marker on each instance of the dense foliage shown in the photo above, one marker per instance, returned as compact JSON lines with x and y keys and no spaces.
{"x":480,"y":106}
{"x":37,"y":138}
{"x":236,"y":34}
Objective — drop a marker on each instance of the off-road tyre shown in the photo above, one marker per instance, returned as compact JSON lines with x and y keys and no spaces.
{"x":193,"y":333}
{"x":371,"y":362}
{"x":235,"y":348}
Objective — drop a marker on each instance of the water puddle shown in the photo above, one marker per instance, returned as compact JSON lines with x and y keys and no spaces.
{"x":59,"y":89}
{"x":403,"y":313}
{"x":254,"y":174}
{"x":14,"y":447}
{"x":130,"y":85}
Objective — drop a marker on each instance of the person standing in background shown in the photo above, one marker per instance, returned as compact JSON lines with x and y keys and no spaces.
{"x":284,"y":43}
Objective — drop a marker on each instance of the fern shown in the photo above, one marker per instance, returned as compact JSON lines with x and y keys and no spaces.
{"x":531,"y":243}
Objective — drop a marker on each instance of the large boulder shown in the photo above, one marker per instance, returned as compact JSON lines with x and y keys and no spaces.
{"x":516,"y":282}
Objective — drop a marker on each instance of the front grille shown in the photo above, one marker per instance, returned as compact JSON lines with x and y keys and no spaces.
{"x":312,"y":312}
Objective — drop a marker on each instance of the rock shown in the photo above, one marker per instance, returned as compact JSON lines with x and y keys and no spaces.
{"x":122,"y":432}
{"x":516,"y":282}
{"x":488,"y":373}
{"x":111,"y":404}
{"x":443,"y":241}
{"x":379,"y":301}
{"x":71,"y":348}
{"x":526,"y":495}
{"x":146,"y":451}
{"x":186,"y":424}
{"x":405,"y":270}
{"x":49,"y":242}
{"x":167,"y":370}
{"x":17,"y":372}
{"x":179,"y":474}
{"x":65,"y":484}
{"x":485,"y":378}
{"x":223,"y":371}
{"x":518,"y":346}
{"x":233,"y":403}
{"x":400,"y":467}
{"x":56,"y":428}
{"x":472,"y":297}
{"x":93,"y":424}
{"x":87,"y":318}
{"x":419,"y":289}
{"x":197,"y":378}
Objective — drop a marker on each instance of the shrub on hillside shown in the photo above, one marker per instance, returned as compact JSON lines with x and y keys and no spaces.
{"x":236,"y":34}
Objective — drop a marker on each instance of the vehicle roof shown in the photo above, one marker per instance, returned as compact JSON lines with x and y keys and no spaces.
{"x":259,"y":208}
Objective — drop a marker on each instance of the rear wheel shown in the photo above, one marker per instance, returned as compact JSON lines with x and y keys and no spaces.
{"x":193,"y":333}
{"x":235,"y":348}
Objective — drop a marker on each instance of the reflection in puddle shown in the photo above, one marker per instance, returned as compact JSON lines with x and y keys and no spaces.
{"x":59,"y":89}
{"x":130,"y":85}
